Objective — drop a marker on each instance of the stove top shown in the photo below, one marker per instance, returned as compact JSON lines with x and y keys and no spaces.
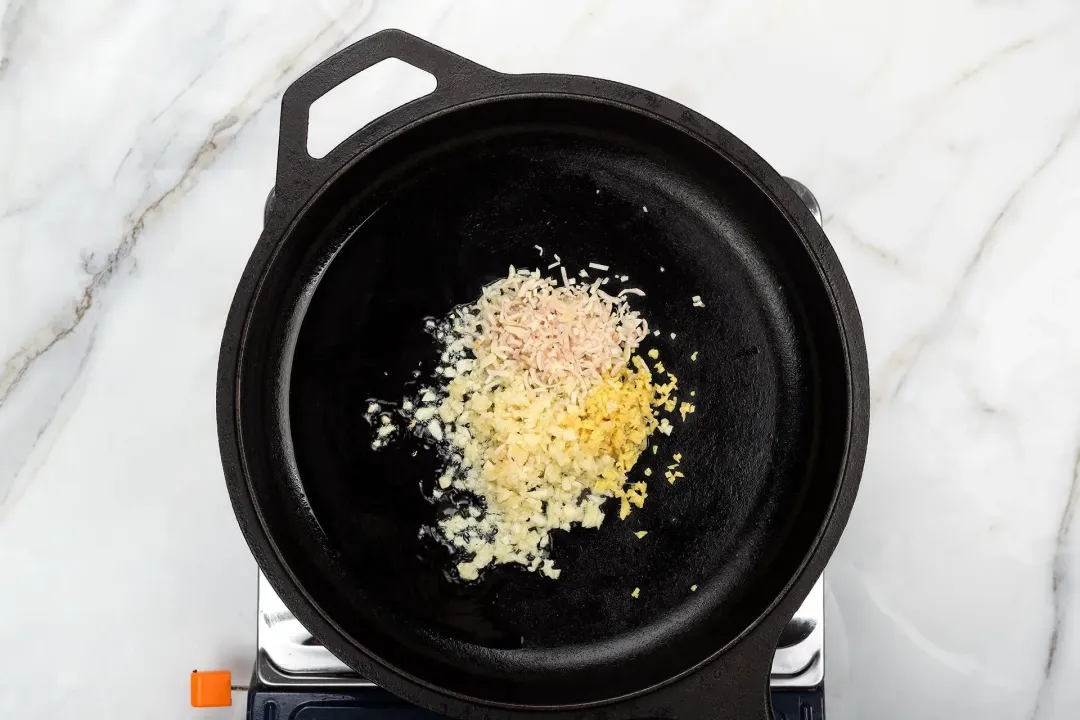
{"x":297,"y":678}
{"x":288,"y":656}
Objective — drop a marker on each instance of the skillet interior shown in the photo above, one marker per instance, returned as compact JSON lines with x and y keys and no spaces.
{"x":419,"y":226}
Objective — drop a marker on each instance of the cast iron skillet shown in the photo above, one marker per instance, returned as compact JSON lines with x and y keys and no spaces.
{"x":411,"y":216}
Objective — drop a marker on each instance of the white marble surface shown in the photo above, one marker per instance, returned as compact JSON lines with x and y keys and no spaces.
{"x":137,"y":142}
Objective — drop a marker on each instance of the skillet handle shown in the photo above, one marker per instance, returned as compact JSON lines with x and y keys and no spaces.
{"x":457,"y":80}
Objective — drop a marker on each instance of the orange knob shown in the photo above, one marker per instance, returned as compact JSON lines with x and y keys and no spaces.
{"x":211,"y":688}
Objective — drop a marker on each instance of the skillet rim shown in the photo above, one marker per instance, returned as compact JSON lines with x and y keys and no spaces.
{"x":284,"y":215}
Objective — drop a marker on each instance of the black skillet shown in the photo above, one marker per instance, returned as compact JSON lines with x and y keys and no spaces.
{"x":411,"y":216}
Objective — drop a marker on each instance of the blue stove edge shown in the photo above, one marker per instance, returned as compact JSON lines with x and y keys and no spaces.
{"x":373,"y":703}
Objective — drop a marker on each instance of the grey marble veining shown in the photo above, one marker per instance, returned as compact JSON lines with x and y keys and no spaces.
{"x":137,"y":144}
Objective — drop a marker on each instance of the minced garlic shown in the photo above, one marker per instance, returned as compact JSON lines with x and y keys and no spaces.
{"x":544,"y":461}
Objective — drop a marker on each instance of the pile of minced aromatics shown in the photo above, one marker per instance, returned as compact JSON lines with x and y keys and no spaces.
{"x":540,"y":407}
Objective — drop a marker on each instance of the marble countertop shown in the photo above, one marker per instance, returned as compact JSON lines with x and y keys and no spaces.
{"x":942,"y":137}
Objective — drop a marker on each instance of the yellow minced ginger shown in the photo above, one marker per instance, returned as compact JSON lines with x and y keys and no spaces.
{"x":618,"y":419}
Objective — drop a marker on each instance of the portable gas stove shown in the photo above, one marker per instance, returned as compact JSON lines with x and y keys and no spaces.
{"x":296,"y":678}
